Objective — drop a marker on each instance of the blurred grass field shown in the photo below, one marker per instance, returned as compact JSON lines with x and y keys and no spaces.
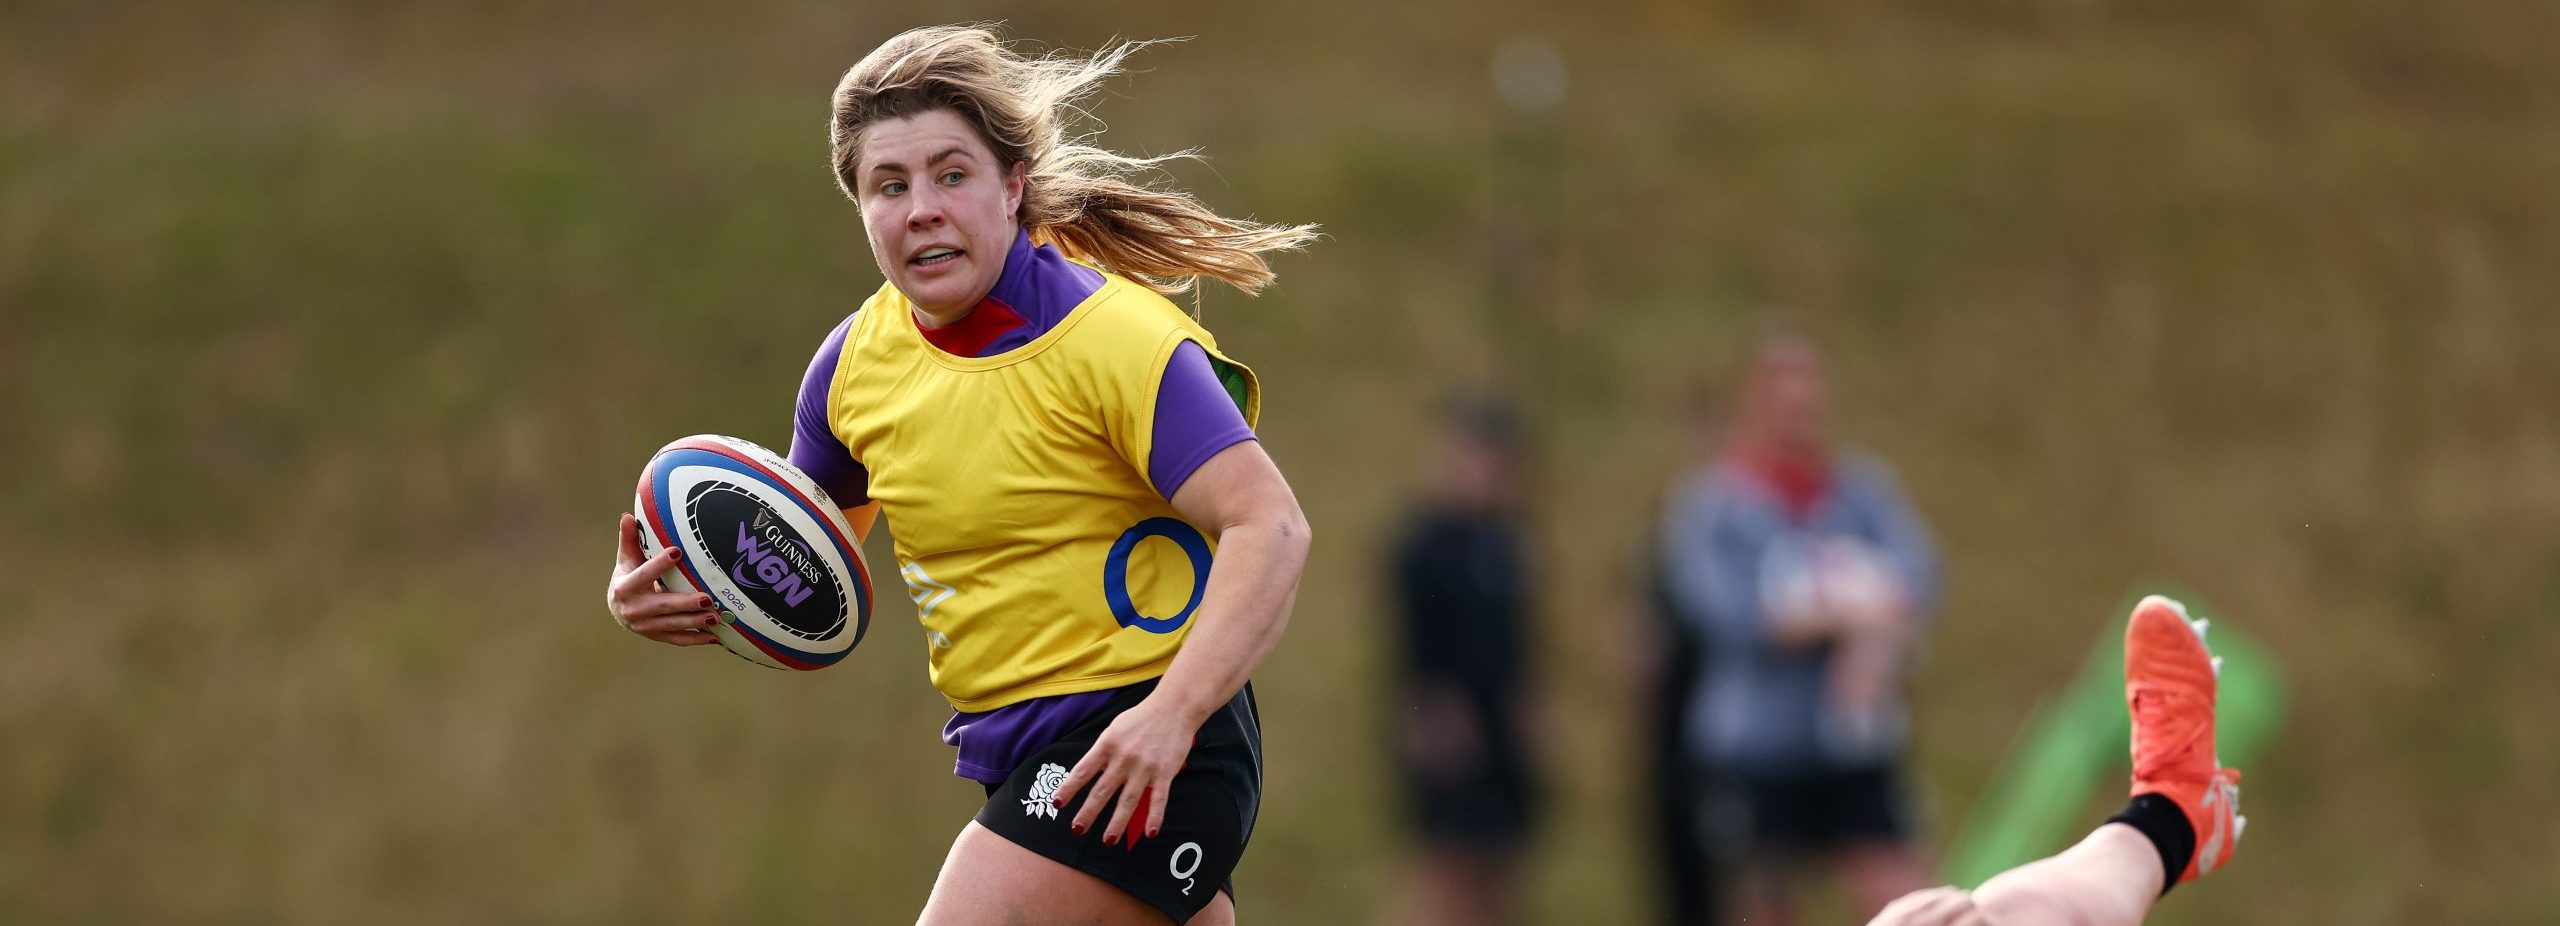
{"x":332,"y":337}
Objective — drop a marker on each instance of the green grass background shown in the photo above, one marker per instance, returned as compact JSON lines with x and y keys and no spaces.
{"x":332,"y":336}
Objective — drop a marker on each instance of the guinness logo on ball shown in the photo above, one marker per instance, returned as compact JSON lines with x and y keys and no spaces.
{"x":770,"y":566}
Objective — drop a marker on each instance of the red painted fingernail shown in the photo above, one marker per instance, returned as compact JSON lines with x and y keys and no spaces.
{"x":706,"y":602}
{"x":712,"y":621}
{"x":1076,"y":828}
{"x":1151,"y":833}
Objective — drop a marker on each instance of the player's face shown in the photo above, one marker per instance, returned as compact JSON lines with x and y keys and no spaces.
{"x":939,"y":210}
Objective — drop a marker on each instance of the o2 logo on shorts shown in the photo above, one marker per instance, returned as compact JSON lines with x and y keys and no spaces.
{"x":1115,"y":573}
{"x":1183,"y":870}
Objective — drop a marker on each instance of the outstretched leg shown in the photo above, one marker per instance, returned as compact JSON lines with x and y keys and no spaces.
{"x":2109,"y":879}
{"x":2181,"y":824}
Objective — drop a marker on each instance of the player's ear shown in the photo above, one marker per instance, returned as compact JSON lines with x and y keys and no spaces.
{"x":1016,"y":179}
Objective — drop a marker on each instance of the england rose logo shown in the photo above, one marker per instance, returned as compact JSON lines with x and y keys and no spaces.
{"x":1044,"y":791}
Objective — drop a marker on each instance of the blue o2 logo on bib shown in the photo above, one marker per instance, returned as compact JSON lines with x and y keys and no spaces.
{"x":1115,"y":572}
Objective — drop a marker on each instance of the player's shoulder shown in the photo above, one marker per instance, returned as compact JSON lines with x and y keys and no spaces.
{"x":885,"y":302}
{"x":1861,"y":469}
{"x":865,"y":331}
{"x":1718,"y":483}
{"x":1704,"y":491}
{"x":836,"y":335}
{"x":1131,"y":301}
{"x":1125,"y":321}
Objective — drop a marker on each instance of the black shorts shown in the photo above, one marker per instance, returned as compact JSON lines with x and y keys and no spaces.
{"x":1188,"y":862}
{"x":1816,"y":812}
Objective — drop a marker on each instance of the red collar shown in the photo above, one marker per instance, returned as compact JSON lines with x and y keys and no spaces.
{"x":1800,"y":484}
{"x":973,"y":332}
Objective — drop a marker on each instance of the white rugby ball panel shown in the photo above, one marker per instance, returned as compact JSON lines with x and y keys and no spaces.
{"x":735,"y":642}
{"x":650,"y":546}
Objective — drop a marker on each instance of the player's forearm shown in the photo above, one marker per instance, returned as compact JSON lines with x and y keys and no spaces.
{"x":1253,"y":584}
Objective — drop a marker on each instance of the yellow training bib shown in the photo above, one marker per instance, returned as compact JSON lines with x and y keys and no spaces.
{"x":1041,"y":560}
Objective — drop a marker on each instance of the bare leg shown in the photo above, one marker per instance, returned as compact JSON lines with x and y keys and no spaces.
{"x":1876,"y":871}
{"x":1221,"y":911}
{"x":2109,"y":879}
{"x":1767,"y":895}
{"x":989,"y":881}
{"x":1442,"y":892}
{"x":1456,"y":887}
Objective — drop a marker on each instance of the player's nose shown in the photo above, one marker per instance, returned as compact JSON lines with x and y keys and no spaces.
{"x":925,"y":209}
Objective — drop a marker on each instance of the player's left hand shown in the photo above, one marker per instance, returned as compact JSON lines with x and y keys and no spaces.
{"x":1937,"y":906}
{"x":1133,"y":760}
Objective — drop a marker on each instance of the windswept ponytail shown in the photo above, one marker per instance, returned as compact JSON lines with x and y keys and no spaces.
{"x":1088,"y":201}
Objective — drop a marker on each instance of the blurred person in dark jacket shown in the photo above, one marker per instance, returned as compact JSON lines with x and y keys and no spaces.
{"x":1805,"y":575}
{"x":1462,"y":596}
{"x":1666,"y":653}
{"x":1688,"y":878}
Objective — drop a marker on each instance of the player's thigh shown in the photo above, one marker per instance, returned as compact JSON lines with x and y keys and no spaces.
{"x":1221,"y":911}
{"x":989,"y":880}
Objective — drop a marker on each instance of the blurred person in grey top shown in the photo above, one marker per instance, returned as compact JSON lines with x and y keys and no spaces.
{"x":1806,"y":575}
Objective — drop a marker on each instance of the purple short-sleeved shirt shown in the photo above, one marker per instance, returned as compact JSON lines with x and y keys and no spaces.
{"x":1195,"y":419}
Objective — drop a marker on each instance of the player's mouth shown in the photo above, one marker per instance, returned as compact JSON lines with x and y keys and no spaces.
{"x":935,"y":256}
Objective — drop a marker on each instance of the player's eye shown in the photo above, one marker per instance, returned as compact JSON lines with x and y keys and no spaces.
{"x":893,"y":188}
{"x":951,"y":178}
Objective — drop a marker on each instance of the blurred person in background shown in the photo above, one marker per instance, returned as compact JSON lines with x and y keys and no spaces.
{"x":1805,"y":575}
{"x":1462,"y":597}
{"x":1668,"y":653}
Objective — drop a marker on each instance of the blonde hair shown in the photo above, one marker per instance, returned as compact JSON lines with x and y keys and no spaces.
{"x":1075,"y":195}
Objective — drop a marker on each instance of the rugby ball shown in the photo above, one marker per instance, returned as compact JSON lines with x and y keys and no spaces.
{"x":764,"y":542}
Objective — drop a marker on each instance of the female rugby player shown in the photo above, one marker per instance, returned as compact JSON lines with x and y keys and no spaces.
{"x":1100,"y":551}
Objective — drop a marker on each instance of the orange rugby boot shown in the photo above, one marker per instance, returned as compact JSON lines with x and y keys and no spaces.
{"x":2169,"y":685}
